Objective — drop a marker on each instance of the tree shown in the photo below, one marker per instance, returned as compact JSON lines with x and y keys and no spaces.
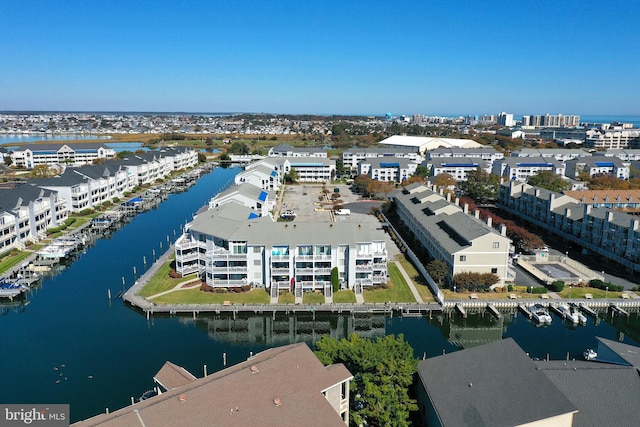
{"x":549,"y":180}
{"x":481,"y":186}
{"x":447,"y":182}
{"x":438,"y":270}
{"x":422,"y":171}
{"x":291,"y":177}
{"x":472,"y":281}
{"x":608,"y":182}
{"x":44,"y":171}
{"x":383,"y":371}
{"x":335,"y":279}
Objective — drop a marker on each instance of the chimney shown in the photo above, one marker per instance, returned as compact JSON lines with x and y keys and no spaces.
{"x":457,"y":201}
{"x":609,"y":216}
{"x":503,"y":230}
{"x":465,"y":209}
{"x":489,"y":221}
{"x":476,"y":213}
{"x":448,"y":197}
{"x":634,"y":224}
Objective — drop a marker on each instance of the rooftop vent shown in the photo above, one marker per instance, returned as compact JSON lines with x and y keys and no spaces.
{"x":277,"y":401}
{"x":182,"y":398}
{"x":254,"y":369}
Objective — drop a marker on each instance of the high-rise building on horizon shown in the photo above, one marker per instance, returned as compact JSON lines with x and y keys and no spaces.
{"x":551,"y":120}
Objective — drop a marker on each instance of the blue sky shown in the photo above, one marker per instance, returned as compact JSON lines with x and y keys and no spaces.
{"x":322,"y":57}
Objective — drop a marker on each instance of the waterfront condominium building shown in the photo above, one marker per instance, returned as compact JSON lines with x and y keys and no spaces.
{"x":448,"y":233}
{"x":32,"y":155}
{"x":27,"y":212}
{"x":520,"y":169}
{"x":231,"y":246}
{"x":286,"y":150}
{"x":388,"y":170}
{"x":598,"y":165}
{"x":488,"y":154}
{"x":309,"y":169}
{"x":609,"y":233}
{"x":456,"y":167}
{"x":352,"y":156}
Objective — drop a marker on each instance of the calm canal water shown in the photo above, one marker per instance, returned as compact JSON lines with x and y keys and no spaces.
{"x":71,"y":344}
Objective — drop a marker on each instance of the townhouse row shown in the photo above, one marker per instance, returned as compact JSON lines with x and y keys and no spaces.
{"x":609,"y":233}
{"x":450,"y":234}
{"x":29,"y":209}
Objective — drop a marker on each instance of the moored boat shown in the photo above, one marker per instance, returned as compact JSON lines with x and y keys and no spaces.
{"x":540,"y":313}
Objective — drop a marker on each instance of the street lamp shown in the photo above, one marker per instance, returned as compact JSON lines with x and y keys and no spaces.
{"x":531,"y":290}
{"x":606,"y":293}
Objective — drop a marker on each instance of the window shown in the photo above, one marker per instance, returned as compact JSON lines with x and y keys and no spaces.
{"x":496,"y":245}
{"x":494,"y":271}
{"x":463,"y":257}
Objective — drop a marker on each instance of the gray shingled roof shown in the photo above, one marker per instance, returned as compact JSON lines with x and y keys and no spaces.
{"x":21,"y":195}
{"x":491,"y":385}
{"x":230,"y":222}
{"x":604,"y":394}
{"x":454,"y":232}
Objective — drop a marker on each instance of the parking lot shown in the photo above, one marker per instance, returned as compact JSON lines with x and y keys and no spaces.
{"x":310,"y":204}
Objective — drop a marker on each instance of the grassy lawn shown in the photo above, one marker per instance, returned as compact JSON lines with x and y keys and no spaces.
{"x":398,"y":292}
{"x":287,"y":298}
{"x":596,"y":293}
{"x":196,"y":296}
{"x":344,"y":296}
{"x":12,"y":260}
{"x":423,"y":289}
{"x":161,"y":281}
{"x":312,"y":298}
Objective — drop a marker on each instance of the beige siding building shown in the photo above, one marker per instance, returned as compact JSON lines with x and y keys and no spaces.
{"x":450,"y":234}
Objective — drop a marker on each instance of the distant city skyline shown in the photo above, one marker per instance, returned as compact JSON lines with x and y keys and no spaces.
{"x":329,"y":57}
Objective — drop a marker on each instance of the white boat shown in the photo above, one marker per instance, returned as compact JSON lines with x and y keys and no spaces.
{"x":590,"y":354}
{"x":572,"y":314}
{"x":540,"y":313}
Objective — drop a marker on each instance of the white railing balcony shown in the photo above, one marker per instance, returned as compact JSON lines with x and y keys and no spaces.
{"x":379,"y":279}
{"x":364,"y":267}
{"x":279,"y":257}
{"x":188,"y":269}
{"x":381,"y":265}
{"x":304,"y":257}
{"x":305,"y":284}
{"x":229,"y":282}
{"x":322,"y":270}
{"x":304,"y":270}
{"x":238,"y":268}
{"x":191,"y":256}
{"x":322,"y":257}
{"x":364,"y":255}
{"x":364,"y":281}
{"x":280,"y":270}
{"x":282,"y":284}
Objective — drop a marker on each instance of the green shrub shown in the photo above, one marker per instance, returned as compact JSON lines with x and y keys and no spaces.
{"x":557,"y":286}
{"x":538,"y":290}
{"x":510,"y":288}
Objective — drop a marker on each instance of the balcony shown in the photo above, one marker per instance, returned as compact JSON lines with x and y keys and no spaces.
{"x":302,"y":270}
{"x":190,"y":256}
{"x":322,"y":270}
{"x":364,"y":267}
{"x":280,"y":270}
{"x":222,"y":282}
